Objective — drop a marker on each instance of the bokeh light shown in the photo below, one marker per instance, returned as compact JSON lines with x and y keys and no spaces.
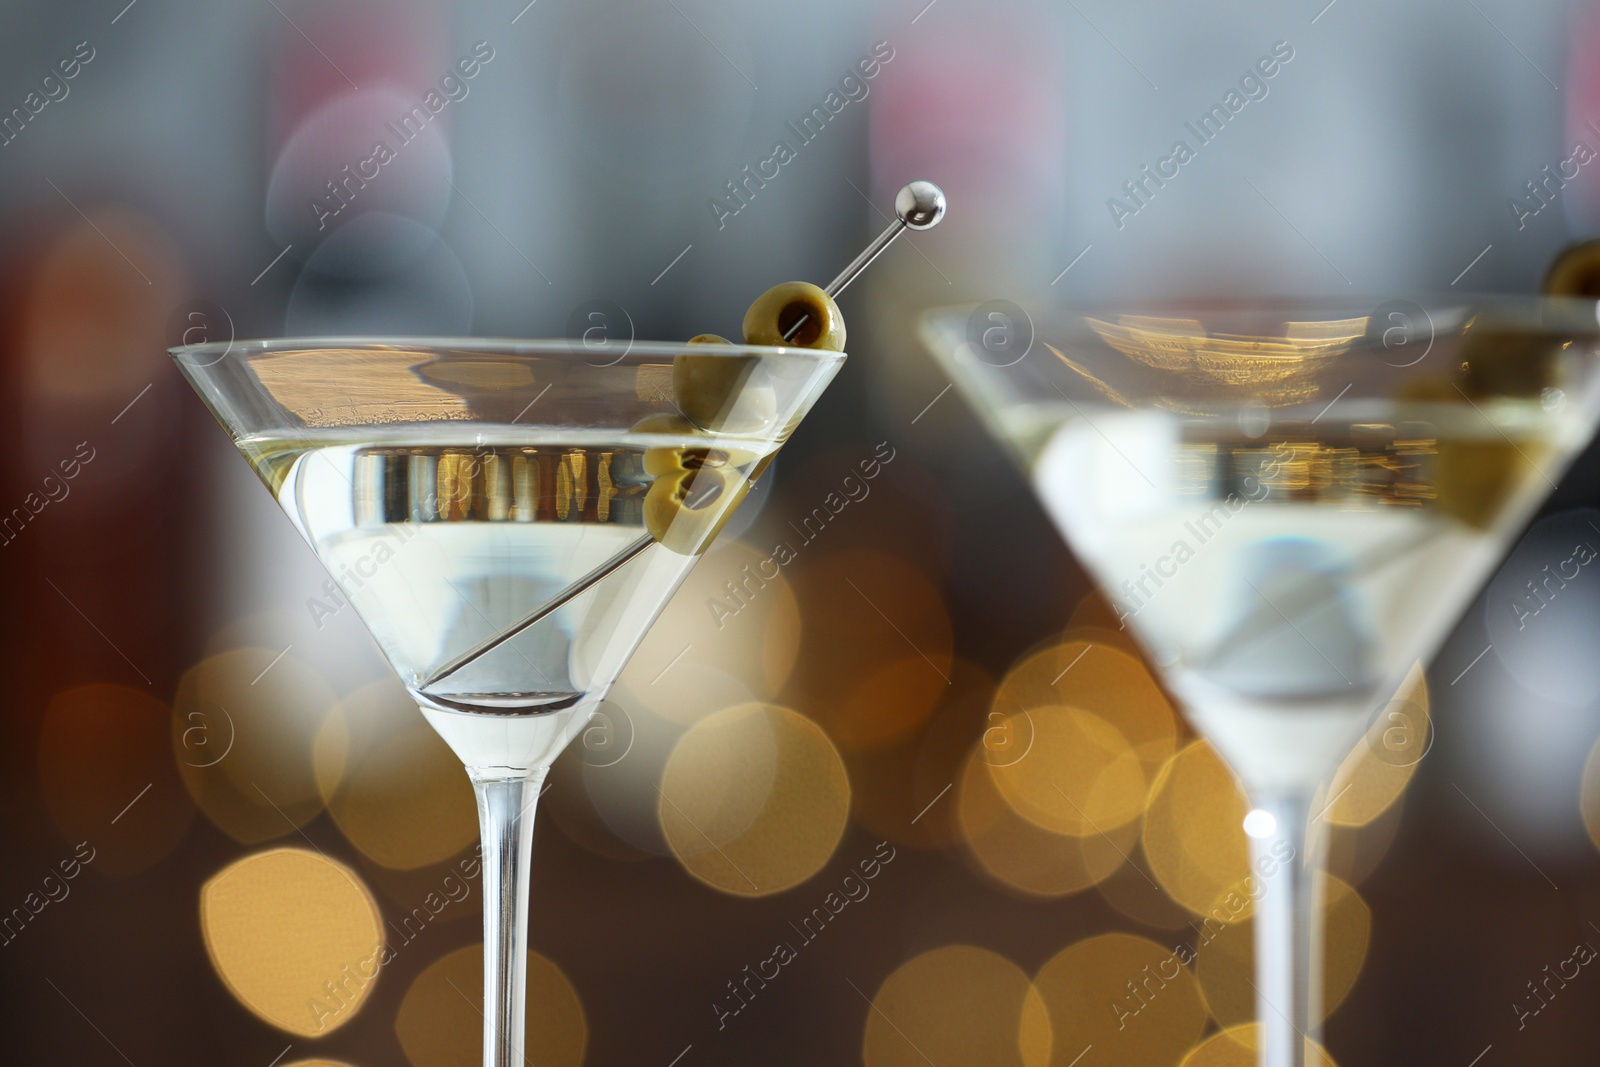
{"x":729,"y":635}
{"x":1078,"y":775}
{"x":106,"y":772}
{"x":1194,"y":829}
{"x":416,"y":185}
{"x":1024,"y":857}
{"x":607,"y":786}
{"x":390,"y":782}
{"x":573,"y":804}
{"x":243,"y":725}
{"x":1381,"y":765}
{"x":1225,"y":963}
{"x":1260,"y":823}
{"x":440,"y":1023}
{"x":1589,"y":795}
{"x":93,"y":321}
{"x":957,"y":1004}
{"x":891,"y":702}
{"x":754,"y":800}
{"x":1236,"y":1047}
{"x":1098,"y":678}
{"x":295,"y":937}
{"x":1131,"y":1000}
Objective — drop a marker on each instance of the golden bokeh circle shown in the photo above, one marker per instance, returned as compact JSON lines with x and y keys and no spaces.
{"x":1225,"y":964}
{"x":754,"y":800}
{"x":1236,"y":1047}
{"x":1194,"y":835}
{"x":243,"y":724}
{"x":1376,"y":772}
{"x":392,"y":785}
{"x":729,"y":635}
{"x":1098,"y":678}
{"x":1023,"y":856}
{"x":1129,"y":998}
{"x":440,"y":1023}
{"x":106,"y":772}
{"x":296,"y":938}
{"x":957,"y":1004}
{"x":1078,"y":774}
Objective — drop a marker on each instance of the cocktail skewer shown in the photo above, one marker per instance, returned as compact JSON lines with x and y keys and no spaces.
{"x":918,"y":206}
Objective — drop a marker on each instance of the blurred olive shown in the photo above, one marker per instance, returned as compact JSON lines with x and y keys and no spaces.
{"x":1575,"y":271}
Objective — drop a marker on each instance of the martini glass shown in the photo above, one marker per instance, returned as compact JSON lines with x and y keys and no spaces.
{"x":508,"y":518}
{"x":1289,"y":504}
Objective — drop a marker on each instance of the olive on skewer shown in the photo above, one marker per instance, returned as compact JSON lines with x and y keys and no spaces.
{"x":697,"y":488}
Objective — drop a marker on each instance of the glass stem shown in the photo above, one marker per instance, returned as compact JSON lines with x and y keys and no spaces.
{"x":1288,"y":932}
{"x":505,"y":818}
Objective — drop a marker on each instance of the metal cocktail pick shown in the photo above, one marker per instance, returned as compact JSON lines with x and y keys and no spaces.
{"x":918,"y":206}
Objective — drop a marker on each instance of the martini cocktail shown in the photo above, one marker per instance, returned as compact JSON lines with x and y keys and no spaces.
{"x":508,"y":518}
{"x":1289,"y":506}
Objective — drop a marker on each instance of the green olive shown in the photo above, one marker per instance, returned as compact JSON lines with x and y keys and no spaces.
{"x":1472,"y":479}
{"x":1504,"y":357}
{"x":716,"y":391}
{"x":667,"y":424}
{"x":701,"y":381}
{"x":686,"y":508}
{"x":780,"y":307}
{"x":659,"y":461}
{"x":693,"y":491}
{"x":668,"y":458}
{"x":711,"y":389}
{"x":662,"y":462}
{"x":1575,"y":271}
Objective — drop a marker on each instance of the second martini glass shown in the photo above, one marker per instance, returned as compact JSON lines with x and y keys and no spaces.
{"x":1289,"y":505}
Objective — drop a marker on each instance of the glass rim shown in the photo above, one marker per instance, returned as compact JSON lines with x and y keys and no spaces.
{"x":467,"y":347}
{"x":1269,"y":303}
{"x":996,"y":387}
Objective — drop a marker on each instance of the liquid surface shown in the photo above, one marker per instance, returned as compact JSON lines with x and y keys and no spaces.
{"x":443,"y":542}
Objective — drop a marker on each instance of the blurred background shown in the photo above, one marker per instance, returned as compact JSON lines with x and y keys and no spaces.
{"x":214,"y":796}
